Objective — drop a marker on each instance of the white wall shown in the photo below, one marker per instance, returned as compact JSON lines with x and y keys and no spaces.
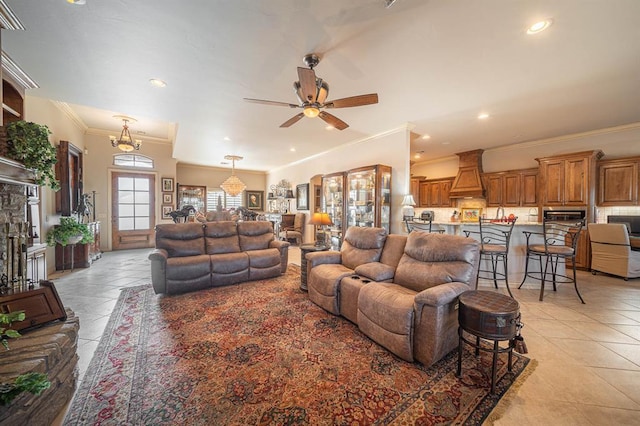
{"x":391,"y":149}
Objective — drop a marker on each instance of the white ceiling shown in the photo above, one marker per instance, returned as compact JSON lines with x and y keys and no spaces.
{"x":434,"y":63}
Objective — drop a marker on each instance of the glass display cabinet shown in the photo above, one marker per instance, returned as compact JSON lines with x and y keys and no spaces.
{"x":193,"y":195}
{"x":333,"y":204}
{"x":369,"y":197}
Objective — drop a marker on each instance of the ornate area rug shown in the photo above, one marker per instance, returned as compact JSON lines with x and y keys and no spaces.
{"x":261,"y":353}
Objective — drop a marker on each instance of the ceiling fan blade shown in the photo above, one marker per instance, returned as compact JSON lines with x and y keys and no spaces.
{"x":307,"y":77}
{"x":353,"y":101}
{"x":276,"y":103}
{"x":292,"y":120}
{"x":332,"y":120}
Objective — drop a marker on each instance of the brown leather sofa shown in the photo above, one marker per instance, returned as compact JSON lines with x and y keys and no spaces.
{"x":400,"y":290}
{"x":195,"y":256}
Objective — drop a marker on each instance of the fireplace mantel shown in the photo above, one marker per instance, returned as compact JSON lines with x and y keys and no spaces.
{"x":15,"y":173}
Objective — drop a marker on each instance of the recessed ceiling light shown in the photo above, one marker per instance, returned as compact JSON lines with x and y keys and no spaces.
{"x":227,"y":138}
{"x":157,"y":82}
{"x":292,"y":149}
{"x":329,"y":127}
{"x":416,"y":156}
{"x":425,"y":137}
{"x":483,"y":116}
{"x":539,"y":26}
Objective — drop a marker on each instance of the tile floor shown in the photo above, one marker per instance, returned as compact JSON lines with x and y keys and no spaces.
{"x":588,"y":356}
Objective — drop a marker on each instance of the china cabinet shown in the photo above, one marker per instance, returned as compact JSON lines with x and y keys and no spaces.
{"x":333,"y":205}
{"x":192,"y":195}
{"x":369,"y":196}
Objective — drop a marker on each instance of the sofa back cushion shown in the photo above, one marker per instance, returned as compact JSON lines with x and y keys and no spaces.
{"x":255,"y":235}
{"x":180,"y":239}
{"x":433,"y":259}
{"x":221,"y":237}
{"x":362,"y":245}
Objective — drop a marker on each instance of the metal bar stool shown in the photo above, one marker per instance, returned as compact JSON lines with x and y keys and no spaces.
{"x":560,"y":240}
{"x":421,"y":225}
{"x":494,"y":237}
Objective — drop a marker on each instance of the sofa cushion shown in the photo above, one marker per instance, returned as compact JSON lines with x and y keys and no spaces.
{"x":188,"y":273}
{"x":180,"y":239}
{"x":229,"y":268}
{"x":322,"y":284}
{"x":433,"y":259}
{"x":255,"y":235}
{"x":376,"y":271}
{"x":362,"y":245}
{"x":264,"y":263}
{"x":385,"y":314}
{"x":221,"y":237}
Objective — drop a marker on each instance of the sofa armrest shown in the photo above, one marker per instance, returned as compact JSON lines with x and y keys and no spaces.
{"x":283,"y":248}
{"x":159,"y":255}
{"x":441,"y":294}
{"x":158,"y":258}
{"x":323,"y":257}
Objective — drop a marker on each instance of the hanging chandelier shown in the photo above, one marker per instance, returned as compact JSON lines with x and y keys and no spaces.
{"x":125,"y":143}
{"x":233,"y":185}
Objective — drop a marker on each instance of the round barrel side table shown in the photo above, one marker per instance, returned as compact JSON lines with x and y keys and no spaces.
{"x":490,"y":316}
{"x":304,"y":249}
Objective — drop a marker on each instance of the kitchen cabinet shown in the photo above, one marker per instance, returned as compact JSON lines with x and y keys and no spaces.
{"x":618,"y":182}
{"x":516,"y":188}
{"x":569,"y":180}
{"x":435,"y":193}
{"x":369,"y":196}
{"x":415,"y":190}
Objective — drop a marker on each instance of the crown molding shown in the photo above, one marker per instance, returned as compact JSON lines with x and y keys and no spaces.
{"x":8,"y":19}
{"x":10,"y":68}
{"x":70,"y":113}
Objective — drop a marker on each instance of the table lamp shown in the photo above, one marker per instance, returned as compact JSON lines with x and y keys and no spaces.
{"x":407,"y":207}
{"x":320,"y":220}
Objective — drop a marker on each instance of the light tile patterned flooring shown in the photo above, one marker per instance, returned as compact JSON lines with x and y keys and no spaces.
{"x":588,"y":356}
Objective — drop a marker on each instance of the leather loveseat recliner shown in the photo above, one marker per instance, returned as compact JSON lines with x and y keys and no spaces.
{"x":401,"y":291}
{"x":195,"y":256}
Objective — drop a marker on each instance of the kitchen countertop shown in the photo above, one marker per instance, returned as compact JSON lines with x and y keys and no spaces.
{"x":449,"y":223}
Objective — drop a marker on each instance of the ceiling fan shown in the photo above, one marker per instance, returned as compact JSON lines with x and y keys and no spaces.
{"x":312,"y":94}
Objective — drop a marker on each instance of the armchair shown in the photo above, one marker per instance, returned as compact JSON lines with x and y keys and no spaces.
{"x":611,"y":251}
{"x":293,"y":229}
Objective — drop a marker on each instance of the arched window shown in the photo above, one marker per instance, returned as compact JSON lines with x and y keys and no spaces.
{"x":133,"y":160}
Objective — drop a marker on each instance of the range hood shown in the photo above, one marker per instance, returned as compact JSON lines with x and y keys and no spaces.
{"x":468,"y":183}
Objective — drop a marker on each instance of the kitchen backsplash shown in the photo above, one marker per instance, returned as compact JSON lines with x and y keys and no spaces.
{"x":603,"y":212}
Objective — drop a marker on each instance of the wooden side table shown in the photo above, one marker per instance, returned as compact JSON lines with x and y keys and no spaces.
{"x":490,"y":316}
{"x":304,"y":249}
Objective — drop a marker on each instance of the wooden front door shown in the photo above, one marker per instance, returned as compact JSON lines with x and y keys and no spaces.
{"x":133,"y":203}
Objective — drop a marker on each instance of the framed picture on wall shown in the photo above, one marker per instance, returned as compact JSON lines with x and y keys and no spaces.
{"x":254,"y":200}
{"x":165,"y":212}
{"x":167,"y":184}
{"x":302,"y":196}
{"x":167,"y":198}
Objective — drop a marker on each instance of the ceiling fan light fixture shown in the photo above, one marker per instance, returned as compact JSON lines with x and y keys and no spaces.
{"x":311,"y":111}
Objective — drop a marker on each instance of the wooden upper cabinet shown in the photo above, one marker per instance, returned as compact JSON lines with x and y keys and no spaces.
{"x":435,"y":193}
{"x":569,"y":180}
{"x":415,"y":190}
{"x":618,"y":182}
{"x":511,"y":189}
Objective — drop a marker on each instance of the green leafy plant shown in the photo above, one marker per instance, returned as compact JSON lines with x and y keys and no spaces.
{"x":7,"y":319}
{"x":34,"y":383}
{"x":29,"y":144}
{"x":69,"y":231}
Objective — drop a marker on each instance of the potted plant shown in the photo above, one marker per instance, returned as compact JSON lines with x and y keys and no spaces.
{"x":29,"y":144}
{"x":69,"y":231}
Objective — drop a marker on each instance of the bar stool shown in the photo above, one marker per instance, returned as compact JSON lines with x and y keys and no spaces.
{"x":421,"y":226}
{"x":560,"y":240}
{"x":494,"y":237}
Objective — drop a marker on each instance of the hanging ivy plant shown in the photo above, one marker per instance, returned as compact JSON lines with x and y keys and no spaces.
{"x":69,"y":232}
{"x":29,"y":144}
